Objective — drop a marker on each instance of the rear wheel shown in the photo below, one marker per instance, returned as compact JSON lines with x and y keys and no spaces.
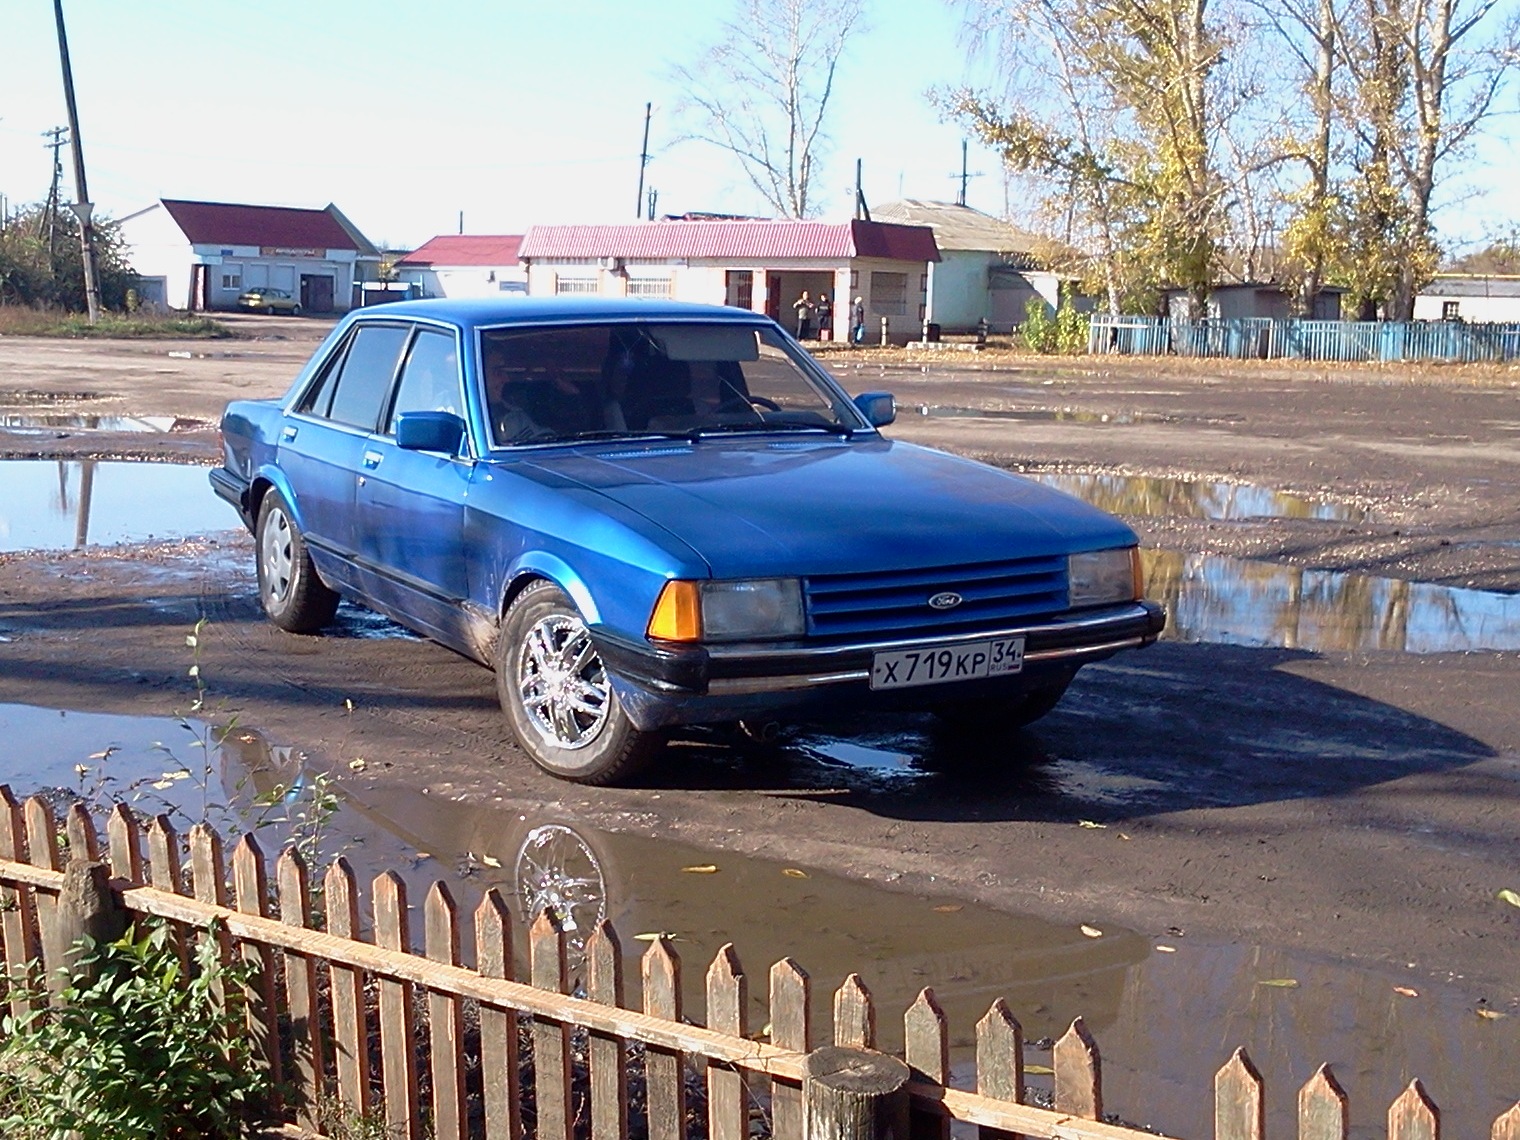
{"x":292,"y":595}
{"x":558,"y":697}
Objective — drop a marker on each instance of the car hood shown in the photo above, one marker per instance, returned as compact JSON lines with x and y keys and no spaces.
{"x":754,"y":508}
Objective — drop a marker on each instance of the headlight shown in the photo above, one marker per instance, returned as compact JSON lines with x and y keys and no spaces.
{"x":750,"y":609}
{"x":1100,"y":577}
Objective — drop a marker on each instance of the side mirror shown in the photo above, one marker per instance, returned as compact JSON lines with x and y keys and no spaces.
{"x":429,"y":431}
{"x":879,"y":408}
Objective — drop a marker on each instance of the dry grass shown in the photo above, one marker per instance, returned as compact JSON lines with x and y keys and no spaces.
{"x":24,"y":320}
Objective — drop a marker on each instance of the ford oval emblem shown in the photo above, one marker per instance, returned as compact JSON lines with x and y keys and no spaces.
{"x":945,"y":601}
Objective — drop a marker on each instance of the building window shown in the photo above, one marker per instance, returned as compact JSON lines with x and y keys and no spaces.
{"x":889,"y":294}
{"x":232,"y":280}
{"x":649,"y":286}
{"x":567,"y":285}
{"x":1451,"y":310}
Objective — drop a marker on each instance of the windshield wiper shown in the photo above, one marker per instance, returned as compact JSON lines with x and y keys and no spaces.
{"x":766,"y":428}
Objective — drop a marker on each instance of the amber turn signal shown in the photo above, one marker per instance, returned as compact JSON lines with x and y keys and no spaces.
{"x":677,"y":613}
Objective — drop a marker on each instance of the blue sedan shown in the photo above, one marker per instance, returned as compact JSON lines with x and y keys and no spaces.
{"x":645,"y":515}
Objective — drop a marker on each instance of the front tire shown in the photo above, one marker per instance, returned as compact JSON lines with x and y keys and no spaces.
{"x":292,"y":595}
{"x":557,"y":696}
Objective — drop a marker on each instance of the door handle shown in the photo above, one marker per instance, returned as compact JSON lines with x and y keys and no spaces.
{"x":372,"y":460}
{"x":288,"y":434}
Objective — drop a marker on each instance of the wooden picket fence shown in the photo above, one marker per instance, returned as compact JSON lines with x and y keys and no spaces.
{"x":1264,"y":338}
{"x":54,"y":885}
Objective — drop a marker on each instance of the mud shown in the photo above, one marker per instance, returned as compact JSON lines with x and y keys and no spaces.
{"x":1337,"y":808}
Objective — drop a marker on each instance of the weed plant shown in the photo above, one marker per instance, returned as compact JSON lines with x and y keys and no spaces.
{"x":25,"y":320}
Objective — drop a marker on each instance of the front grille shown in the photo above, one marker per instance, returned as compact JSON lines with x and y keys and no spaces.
{"x":896,"y":603}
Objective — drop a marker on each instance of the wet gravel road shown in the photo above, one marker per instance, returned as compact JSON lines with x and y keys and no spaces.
{"x":1324,"y":755}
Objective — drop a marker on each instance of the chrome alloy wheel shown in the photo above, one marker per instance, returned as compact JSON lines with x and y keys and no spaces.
{"x":561,"y":682}
{"x":276,"y":556}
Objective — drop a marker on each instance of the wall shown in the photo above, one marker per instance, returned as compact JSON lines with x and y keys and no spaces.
{"x":157,"y":248}
{"x":1429,"y":308}
{"x":467,"y":281}
{"x":958,"y":289}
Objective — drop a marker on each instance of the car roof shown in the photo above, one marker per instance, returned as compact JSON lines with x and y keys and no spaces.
{"x":477,"y":312}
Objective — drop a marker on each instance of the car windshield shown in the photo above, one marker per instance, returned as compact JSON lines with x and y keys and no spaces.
{"x":597,"y":381}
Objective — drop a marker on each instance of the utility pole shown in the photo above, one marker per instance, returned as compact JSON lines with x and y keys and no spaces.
{"x":638,"y":202}
{"x":862,"y":211}
{"x":83,"y":208}
{"x":965,"y":177}
{"x":654,"y":196}
{"x":48,"y":223}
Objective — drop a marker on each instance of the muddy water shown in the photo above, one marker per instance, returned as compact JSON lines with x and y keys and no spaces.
{"x":1167,"y":1010}
{"x":1160,"y":497}
{"x":68,"y":504}
{"x":53,"y":422}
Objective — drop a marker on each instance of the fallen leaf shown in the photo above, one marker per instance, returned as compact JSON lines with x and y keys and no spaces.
{"x":794,"y":873}
{"x":1509,"y":896}
{"x":1039,"y":1071}
{"x":490,"y":860}
{"x":701,"y":869}
{"x":1167,"y":949}
{"x":948,"y":908}
{"x":190,"y":640}
{"x":100,"y":755}
{"x":1091,"y":824}
{"x":1092,"y":932}
{"x":1406,"y":991}
{"x":1280,"y":983}
{"x":348,"y":704}
{"x":81,"y":770}
{"x":1123,"y":837}
{"x":162,"y":784}
{"x":1490,"y":1014}
{"x":424,"y":854}
{"x":654,"y":934}
{"x":358,"y":764}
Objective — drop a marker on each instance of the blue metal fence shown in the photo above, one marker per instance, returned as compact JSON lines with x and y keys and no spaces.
{"x":1261,"y":338}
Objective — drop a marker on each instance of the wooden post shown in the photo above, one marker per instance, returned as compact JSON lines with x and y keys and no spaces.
{"x":87,"y":908}
{"x":854,"y":1094}
{"x":1079,"y":1073}
{"x":926,"y":1049}
{"x":498,"y":1027}
{"x":791,"y":1028}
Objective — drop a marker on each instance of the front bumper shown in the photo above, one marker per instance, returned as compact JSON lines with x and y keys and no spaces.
{"x":668,"y":684}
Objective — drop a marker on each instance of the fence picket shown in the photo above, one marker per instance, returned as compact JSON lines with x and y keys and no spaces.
{"x":1322,"y":1113}
{"x":166,"y":874}
{"x":926,"y":1049}
{"x":398,"y":1023}
{"x":250,"y":891}
{"x":306,"y":1044}
{"x":445,"y":1017}
{"x":498,"y":1027}
{"x":18,"y":906}
{"x":607,"y":1054}
{"x":1239,"y":1107}
{"x":551,"y":1039}
{"x":854,"y":1015}
{"x":727,"y":1012}
{"x":1414,"y":1116}
{"x":208,"y":879}
{"x":1079,"y":1073}
{"x":42,"y":851}
{"x":350,"y":1034}
{"x":791,"y":1028}
{"x":124,"y":841}
{"x":79,"y":831}
{"x":999,"y":1062}
{"x":665,"y":1091}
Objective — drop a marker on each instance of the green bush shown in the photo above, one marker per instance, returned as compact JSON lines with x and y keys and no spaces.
{"x":136,"y":1046}
{"x":1038,"y":330}
{"x":1066,"y":332}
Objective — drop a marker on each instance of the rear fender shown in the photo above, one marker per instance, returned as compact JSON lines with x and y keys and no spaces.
{"x":267,"y":478}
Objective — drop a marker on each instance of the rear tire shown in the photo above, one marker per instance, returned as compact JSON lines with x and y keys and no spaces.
{"x":557,"y":696}
{"x":292,"y":594}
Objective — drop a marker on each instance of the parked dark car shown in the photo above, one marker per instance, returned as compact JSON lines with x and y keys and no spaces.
{"x":646,"y":515}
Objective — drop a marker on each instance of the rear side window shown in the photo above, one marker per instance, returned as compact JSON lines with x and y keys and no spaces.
{"x":429,"y":379}
{"x":365,"y":380}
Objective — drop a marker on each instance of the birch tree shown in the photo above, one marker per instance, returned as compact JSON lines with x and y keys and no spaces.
{"x":762,"y":93}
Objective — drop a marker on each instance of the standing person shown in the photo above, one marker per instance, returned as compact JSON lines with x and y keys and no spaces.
{"x":804,"y":309}
{"x":825,"y":317}
{"x":858,"y":321}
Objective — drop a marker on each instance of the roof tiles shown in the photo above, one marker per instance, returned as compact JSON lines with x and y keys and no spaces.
{"x":733,"y":241}
{"x":225,"y":223}
{"x":466,"y":249}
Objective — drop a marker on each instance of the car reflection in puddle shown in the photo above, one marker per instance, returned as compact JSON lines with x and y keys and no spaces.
{"x":1161,"y":497}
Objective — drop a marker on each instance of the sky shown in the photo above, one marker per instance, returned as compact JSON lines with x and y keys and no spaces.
{"x":513,"y":112}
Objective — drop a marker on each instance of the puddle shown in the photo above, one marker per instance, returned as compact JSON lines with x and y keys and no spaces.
{"x":1166,"y":1019}
{"x":1045,"y":415}
{"x":1155,"y":497}
{"x":1234,"y":601}
{"x":50,"y":504}
{"x":60,"y":421}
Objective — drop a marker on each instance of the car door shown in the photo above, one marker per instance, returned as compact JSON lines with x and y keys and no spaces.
{"x":322,"y":443}
{"x":409,"y":506}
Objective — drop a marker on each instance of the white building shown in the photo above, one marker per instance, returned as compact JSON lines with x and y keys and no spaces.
{"x":988,"y":267}
{"x":765,"y":266}
{"x":1469,"y":297}
{"x":465,"y":265}
{"x":201,"y":255}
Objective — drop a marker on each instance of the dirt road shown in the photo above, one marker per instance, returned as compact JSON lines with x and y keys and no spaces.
{"x":1323,"y":792}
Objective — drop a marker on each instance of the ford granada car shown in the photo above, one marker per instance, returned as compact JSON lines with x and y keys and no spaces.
{"x":645,"y":515}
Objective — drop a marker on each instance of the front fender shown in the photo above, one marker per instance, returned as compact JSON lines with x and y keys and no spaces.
{"x":542,"y":564}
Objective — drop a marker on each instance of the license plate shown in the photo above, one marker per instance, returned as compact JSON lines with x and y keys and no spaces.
{"x":943,"y":664}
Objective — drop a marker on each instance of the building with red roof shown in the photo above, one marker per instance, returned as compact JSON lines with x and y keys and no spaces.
{"x":465,"y":265}
{"x":768,"y":266}
{"x":202,"y":255}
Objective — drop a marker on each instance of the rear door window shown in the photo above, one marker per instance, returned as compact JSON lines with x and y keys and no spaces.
{"x":368,"y":369}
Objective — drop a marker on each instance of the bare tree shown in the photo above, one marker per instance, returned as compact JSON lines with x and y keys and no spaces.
{"x":762,"y":91}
